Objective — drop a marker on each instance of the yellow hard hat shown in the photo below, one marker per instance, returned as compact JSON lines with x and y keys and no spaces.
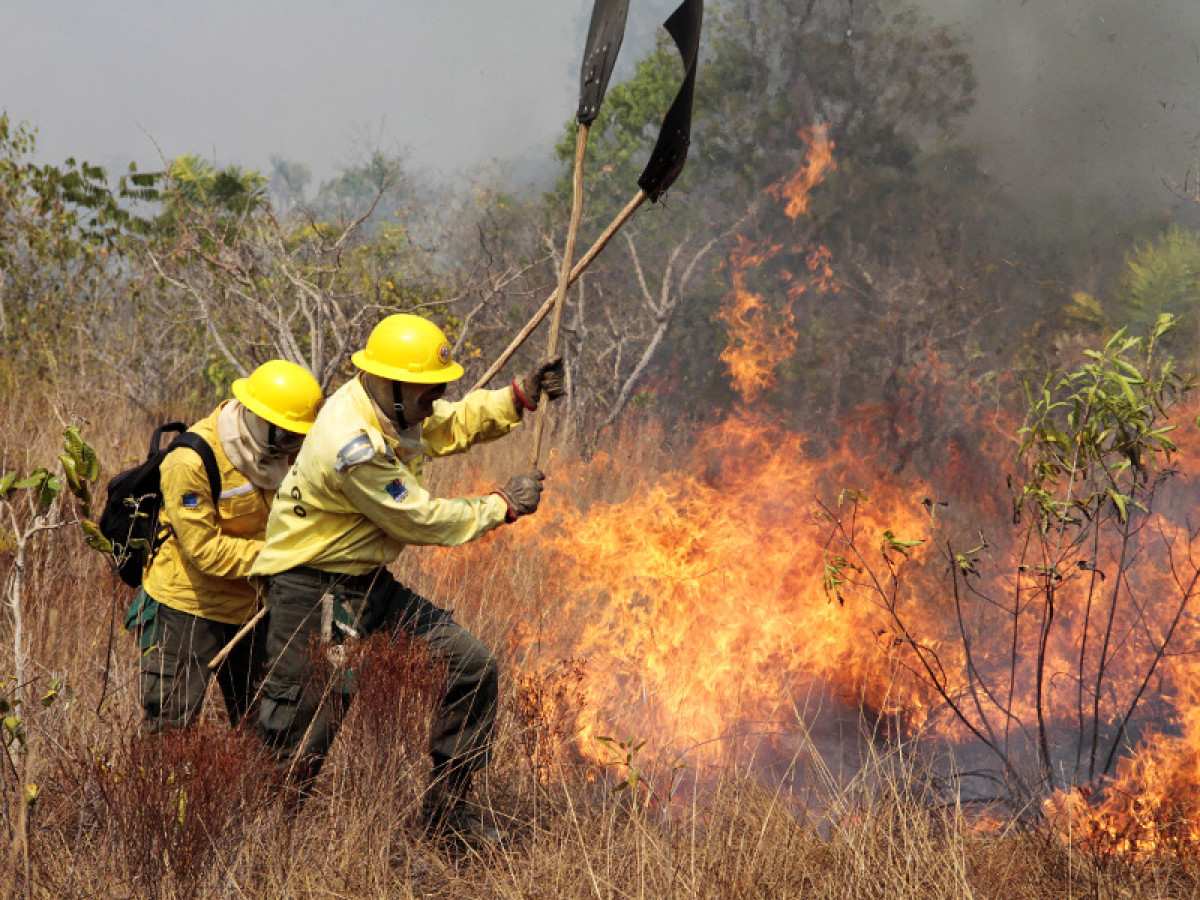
{"x":408,"y":348}
{"x":281,"y":392}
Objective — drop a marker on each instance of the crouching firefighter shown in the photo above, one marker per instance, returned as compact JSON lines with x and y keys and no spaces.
{"x":215,"y":502}
{"x":350,"y":504}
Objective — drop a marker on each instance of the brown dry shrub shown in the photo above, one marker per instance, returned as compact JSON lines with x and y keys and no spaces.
{"x":167,"y":806}
{"x":398,"y":685}
{"x":546,"y":706}
{"x":108,"y":820}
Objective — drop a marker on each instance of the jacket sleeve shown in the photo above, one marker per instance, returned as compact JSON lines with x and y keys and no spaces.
{"x":390,"y":496}
{"x":188,"y":509}
{"x":480,"y":416}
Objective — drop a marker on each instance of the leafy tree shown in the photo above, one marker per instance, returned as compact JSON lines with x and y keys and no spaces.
{"x":1159,"y":276}
{"x":377,"y":187}
{"x":288,"y":183}
{"x":237,"y":284}
{"x":904,"y":216}
{"x":1162,"y":276}
{"x":231,"y":194}
{"x":61,"y":228}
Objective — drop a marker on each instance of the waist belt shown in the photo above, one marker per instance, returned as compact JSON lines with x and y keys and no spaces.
{"x":357,"y":583}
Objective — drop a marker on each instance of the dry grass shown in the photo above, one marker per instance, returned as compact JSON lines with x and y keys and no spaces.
{"x":196,"y":815}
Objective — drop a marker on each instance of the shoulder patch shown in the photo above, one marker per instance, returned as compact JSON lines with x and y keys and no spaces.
{"x":359,"y":450}
{"x":396,"y":489}
{"x":190,"y":500}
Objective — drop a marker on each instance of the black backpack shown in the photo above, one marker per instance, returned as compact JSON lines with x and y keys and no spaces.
{"x":130,"y":516}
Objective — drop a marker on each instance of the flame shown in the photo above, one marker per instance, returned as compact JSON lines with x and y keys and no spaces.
{"x":694,"y":603}
{"x":693,"y":600}
{"x":1150,"y":806}
{"x":708,"y":596}
{"x":758,"y":342}
{"x":796,"y":190}
{"x":761,"y":337}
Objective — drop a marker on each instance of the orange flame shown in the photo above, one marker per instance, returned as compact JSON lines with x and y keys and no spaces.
{"x":760,"y":336}
{"x":758,"y":343}
{"x":796,"y":190}
{"x":707,"y":602}
{"x":694,"y":599}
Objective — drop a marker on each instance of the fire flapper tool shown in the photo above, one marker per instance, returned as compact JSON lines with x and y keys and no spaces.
{"x":604,"y":38}
{"x":666,"y":162}
{"x":605,"y":32}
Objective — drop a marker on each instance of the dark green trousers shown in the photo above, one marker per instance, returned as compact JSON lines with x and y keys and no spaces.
{"x":176,"y":650}
{"x":300,"y":712}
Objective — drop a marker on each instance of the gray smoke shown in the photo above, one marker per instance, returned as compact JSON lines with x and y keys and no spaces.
{"x":1084,"y":97}
{"x":1076,"y":97}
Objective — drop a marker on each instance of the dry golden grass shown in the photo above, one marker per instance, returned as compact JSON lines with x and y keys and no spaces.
{"x":195,"y":815}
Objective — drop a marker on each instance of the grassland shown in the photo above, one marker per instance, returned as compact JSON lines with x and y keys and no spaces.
{"x":196,"y":815}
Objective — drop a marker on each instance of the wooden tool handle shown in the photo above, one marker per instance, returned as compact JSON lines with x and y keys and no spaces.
{"x":544,"y":310}
{"x":242,"y":632}
{"x":564,"y":279}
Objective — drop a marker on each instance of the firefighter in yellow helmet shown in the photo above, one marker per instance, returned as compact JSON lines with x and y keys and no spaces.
{"x":196,"y":592}
{"x":346,"y":509}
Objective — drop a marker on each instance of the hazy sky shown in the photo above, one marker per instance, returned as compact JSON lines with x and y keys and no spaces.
{"x":1073,"y":93}
{"x":457,"y":82}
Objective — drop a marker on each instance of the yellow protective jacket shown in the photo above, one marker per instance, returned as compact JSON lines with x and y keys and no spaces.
{"x":203,"y":565}
{"x":353,"y":500}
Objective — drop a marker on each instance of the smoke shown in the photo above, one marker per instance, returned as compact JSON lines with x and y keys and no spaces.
{"x":1076,"y":97}
{"x":1084,"y":98}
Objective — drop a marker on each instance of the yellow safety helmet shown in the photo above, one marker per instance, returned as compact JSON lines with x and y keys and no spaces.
{"x":408,"y":348}
{"x":282,"y":393}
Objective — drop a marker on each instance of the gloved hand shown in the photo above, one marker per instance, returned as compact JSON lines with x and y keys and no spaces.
{"x":546,"y":379}
{"x":523,"y":493}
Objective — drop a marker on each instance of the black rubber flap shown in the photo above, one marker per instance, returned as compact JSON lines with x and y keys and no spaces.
{"x":671,"y":149}
{"x":600,"y":55}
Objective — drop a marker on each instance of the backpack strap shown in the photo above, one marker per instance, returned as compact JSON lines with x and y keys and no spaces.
{"x":193,"y":441}
{"x":156,"y":438}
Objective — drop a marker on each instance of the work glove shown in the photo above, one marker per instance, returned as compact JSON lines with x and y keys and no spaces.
{"x":522,"y":494}
{"x":546,"y":379}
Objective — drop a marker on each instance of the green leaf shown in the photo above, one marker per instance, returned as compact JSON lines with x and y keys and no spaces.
{"x":1164,"y":323}
{"x":68,"y":465}
{"x":87,"y":464}
{"x":13,"y":729}
{"x":33,"y":480}
{"x":891,"y":542}
{"x":1119,"y":501}
{"x":50,"y":488}
{"x":965,"y":564}
{"x":94,"y":538}
{"x":73,"y":442}
{"x":1130,"y":369}
{"x":1127,"y":389}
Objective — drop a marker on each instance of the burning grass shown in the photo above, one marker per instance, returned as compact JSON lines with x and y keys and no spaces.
{"x":743,"y":660}
{"x":791,"y":785}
